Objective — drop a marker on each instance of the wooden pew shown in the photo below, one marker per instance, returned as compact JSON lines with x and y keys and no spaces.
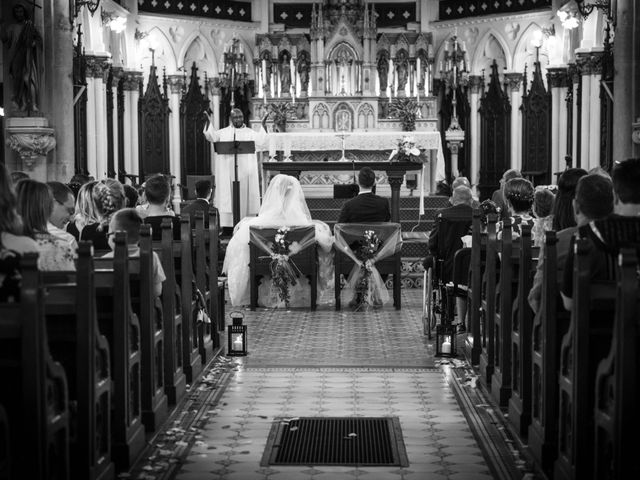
{"x":547,"y":332}
{"x":584,"y":345}
{"x":174,"y":378}
{"x":473,"y":342}
{"x":120,"y":325}
{"x":34,"y":429}
{"x":488,"y":305}
{"x":520,"y":401}
{"x":501,"y":379}
{"x":75,"y":339}
{"x":143,"y":301}
{"x":617,"y":386}
{"x":216,"y":285}
{"x":208,"y":338}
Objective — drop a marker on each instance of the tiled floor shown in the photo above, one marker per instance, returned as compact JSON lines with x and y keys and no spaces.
{"x":335,"y":364}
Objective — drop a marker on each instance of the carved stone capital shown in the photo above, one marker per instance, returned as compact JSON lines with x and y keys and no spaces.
{"x":557,"y":77}
{"x":131,"y":80}
{"x":395,"y":180}
{"x":514,"y":80}
{"x":98,"y":66}
{"x":176,"y":83}
{"x":475,"y":83}
{"x":590,"y":63}
{"x":31,"y":143}
{"x":117,"y":73}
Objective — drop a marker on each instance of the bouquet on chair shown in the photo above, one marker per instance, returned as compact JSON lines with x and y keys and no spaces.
{"x":364,"y":294}
{"x":283,"y":274}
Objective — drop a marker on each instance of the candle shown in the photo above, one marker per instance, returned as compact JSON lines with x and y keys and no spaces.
{"x":441,"y":69}
{"x":272,"y":147}
{"x":418,"y":71}
{"x":237,"y":342}
{"x":446,"y":347}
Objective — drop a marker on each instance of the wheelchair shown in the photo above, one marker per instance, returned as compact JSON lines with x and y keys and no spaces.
{"x":445,"y":273}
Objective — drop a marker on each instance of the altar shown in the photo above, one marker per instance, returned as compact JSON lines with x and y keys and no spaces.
{"x":326,"y":148}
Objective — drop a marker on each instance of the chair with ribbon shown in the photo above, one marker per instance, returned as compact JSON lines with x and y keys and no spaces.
{"x":366,"y":252}
{"x":286,"y":255}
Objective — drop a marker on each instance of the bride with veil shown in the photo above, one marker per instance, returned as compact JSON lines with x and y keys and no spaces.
{"x":283,"y":205}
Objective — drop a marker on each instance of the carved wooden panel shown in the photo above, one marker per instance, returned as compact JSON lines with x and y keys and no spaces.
{"x":153,"y":125}
{"x":80,"y":105}
{"x":195,"y":150}
{"x":536,"y":130}
{"x":495,"y":135}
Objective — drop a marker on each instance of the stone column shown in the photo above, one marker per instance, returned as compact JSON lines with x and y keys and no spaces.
{"x":475,"y":82}
{"x":117,"y":73}
{"x":584,"y":64}
{"x":596,"y":111}
{"x":58,"y":49}
{"x":176,"y":84}
{"x":626,"y":58}
{"x":97,"y":66}
{"x":131,"y":86}
{"x":574,"y":78}
{"x":32,"y":139}
{"x":557,"y":81}
{"x":514,"y":80}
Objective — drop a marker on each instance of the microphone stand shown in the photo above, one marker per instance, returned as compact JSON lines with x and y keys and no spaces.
{"x":236,"y":183}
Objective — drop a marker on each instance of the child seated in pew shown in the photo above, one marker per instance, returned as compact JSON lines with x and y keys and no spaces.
{"x":543,"y":200}
{"x":129,"y":220}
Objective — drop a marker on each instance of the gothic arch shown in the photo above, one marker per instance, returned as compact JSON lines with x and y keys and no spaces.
{"x":164,"y":55}
{"x":320,"y":116}
{"x":491,"y":46}
{"x":525,"y":53}
{"x":196,"y":48}
{"x":366,"y":116}
{"x":343,"y":117}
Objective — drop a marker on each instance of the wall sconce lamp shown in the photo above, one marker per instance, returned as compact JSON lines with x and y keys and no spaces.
{"x":585,"y":8}
{"x":114,"y":22}
{"x":92,"y":5}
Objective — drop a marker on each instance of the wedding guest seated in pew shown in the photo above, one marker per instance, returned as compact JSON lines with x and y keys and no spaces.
{"x":562,"y":207}
{"x":609,"y":235}
{"x":131,"y":196}
{"x":13,"y":243}
{"x":35,"y":204}
{"x":543,"y":199}
{"x":593,"y":201}
{"x":498,"y":197}
{"x":283,"y":205}
{"x":157,"y":191}
{"x":129,"y":220}
{"x":202,"y":203}
{"x":97,"y":202}
{"x":63,"y":210}
{"x":518,"y":195}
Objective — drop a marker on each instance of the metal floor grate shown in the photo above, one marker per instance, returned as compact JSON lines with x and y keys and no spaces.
{"x":336,"y":441}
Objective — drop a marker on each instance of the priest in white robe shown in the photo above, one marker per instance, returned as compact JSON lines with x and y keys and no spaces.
{"x":247,"y":167}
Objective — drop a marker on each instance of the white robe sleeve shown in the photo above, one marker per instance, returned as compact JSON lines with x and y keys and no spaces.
{"x":211,"y":134}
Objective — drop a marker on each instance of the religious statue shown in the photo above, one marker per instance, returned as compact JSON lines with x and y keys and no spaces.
{"x":303,"y":70}
{"x":403,"y":71}
{"x":285,"y":74}
{"x":267,"y":76}
{"x":24,"y":44}
{"x":383,"y":71}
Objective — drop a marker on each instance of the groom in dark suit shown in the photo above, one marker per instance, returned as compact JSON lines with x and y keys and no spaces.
{"x":366,"y":207}
{"x":204,"y":194}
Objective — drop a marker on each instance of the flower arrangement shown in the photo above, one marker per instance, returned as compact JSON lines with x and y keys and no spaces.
{"x":280,"y":113}
{"x":407,"y":150}
{"x":406,"y":110}
{"x":283,"y":274}
{"x":369,"y":246}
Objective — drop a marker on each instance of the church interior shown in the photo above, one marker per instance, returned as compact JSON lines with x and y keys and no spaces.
{"x":194,"y":287}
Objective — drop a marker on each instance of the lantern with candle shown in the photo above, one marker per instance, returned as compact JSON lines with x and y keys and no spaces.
{"x":445,"y":340}
{"x":236,"y":335}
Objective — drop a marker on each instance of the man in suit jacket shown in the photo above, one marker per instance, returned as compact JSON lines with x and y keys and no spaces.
{"x":204,"y":193}
{"x":366,"y":207}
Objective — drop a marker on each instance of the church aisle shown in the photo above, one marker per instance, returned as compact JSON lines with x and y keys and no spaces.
{"x":323,"y":363}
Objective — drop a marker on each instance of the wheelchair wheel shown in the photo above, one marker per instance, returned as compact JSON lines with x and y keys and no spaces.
{"x":431,"y":302}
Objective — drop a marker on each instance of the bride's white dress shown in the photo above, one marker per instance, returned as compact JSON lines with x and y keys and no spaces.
{"x":283,"y":205}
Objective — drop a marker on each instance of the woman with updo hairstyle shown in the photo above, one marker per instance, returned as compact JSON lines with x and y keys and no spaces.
{"x":35,"y":204}
{"x":108,"y":197}
{"x":518,"y":193}
{"x":563,"y":207}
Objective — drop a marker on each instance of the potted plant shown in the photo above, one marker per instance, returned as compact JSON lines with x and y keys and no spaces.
{"x":406,"y":110}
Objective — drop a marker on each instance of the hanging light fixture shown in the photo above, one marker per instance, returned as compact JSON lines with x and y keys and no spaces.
{"x":585,"y":8}
{"x":92,"y":6}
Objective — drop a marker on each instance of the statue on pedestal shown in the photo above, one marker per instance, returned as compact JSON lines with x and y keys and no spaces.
{"x":303,"y":70}
{"x":402,"y":69}
{"x":383,"y":71}
{"x":285,"y":74}
{"x":24,"y":44}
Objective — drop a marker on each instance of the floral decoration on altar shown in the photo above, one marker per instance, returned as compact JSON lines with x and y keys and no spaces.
{"x":406,"y":149}
{"x":407,"y":110}
{"x":364,"y":294}
{"x":284,"y":273}
{"x":280,"y":113}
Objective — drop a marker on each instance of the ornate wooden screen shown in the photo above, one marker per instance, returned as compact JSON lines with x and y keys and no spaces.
{"x":536,"y":129}
{"x":153,"y":125}
{"x":80,"y":105}
{"x":195,"y":150}
{"x":111,"y":169}
{"x":463,"y":111}
{"x":120,"y":120}
{"x":495,"y":135}
{"x":606,"y":104}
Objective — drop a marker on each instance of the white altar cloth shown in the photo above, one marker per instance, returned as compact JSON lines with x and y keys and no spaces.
{"x":378,"y":140}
